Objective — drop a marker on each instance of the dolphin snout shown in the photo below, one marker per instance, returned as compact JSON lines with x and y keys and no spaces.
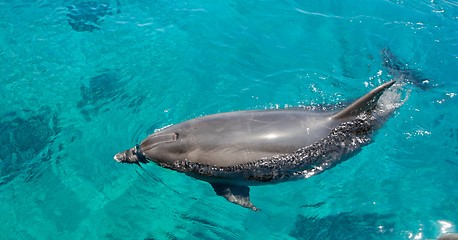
{"x":120,"y":157}
{"x":128,"y":156}
{"x":133,"y":155}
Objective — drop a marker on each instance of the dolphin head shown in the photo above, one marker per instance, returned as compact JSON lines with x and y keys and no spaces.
{"x":156,"y":147}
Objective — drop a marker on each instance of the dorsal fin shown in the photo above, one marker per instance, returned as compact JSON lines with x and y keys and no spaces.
{"x":364,"y":103}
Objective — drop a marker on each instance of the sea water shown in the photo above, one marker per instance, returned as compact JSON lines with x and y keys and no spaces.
{"x":81,"y":81}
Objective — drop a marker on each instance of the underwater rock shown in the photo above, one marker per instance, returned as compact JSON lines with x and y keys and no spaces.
{"x":102,"y":91}
{"x":25,"y":138}
{"x":87,"y":16}
{"x":101,"y":87}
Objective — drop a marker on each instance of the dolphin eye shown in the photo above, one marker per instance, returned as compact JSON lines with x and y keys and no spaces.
{"x":156,"y":139}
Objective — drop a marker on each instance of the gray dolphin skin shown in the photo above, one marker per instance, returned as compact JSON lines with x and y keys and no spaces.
{"x":449,"y":236}
{"x":236,"y":149}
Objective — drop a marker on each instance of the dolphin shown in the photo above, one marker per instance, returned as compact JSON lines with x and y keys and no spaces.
{"x":234,"y":150}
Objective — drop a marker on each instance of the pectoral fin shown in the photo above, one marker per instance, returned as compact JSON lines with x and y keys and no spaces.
{"x":238,"y":194}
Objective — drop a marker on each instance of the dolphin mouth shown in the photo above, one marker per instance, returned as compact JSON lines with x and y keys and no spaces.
{"x":120,"y":157}
{"x":132,"y":155}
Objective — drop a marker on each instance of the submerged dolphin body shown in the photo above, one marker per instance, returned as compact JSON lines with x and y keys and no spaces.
{"x":400,"y":71}
{"x":236,"y":149}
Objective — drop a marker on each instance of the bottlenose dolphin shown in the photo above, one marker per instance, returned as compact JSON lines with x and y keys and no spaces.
{"x":236,"y":149}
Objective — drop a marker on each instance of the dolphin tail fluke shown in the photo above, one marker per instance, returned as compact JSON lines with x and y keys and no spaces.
{"x":365,"y":103}
{"x":237,"y":194}
{"x":401,"y":72}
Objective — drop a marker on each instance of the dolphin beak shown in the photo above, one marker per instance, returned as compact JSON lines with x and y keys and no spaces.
{"x":120,"y":157}
{"x":133,"y":155}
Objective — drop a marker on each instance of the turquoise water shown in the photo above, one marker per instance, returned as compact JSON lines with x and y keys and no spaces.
{"x":80,"y":82}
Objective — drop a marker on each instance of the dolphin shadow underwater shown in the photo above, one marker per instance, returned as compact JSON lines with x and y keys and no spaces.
{"x":234,"y":150}
{"x":26,"y":138}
